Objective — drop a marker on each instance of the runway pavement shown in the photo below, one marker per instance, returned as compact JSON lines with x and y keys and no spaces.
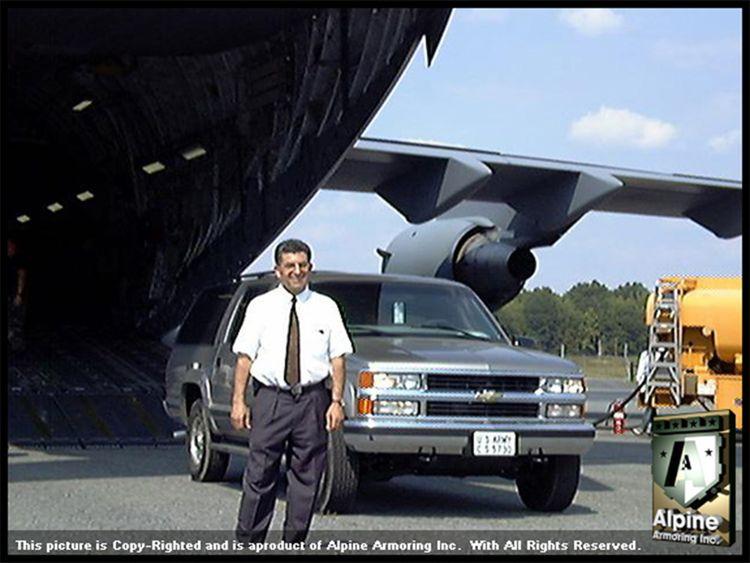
{"x":148,"y":488}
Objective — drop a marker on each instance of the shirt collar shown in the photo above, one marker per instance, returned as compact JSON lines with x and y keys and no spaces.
{"x":303,"y":296}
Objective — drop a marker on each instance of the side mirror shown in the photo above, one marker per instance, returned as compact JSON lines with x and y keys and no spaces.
{"x":524,"y":342}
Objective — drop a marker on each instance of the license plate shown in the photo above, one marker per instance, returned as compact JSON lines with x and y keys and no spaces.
{"x":494,"y":443}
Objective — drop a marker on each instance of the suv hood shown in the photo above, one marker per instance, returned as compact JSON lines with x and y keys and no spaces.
{"x":381,"y":352}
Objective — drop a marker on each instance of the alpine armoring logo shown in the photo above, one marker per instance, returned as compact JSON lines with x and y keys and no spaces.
{"x":693,"y":478}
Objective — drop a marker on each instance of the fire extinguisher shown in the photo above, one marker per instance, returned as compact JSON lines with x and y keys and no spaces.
{"x":618,"y":417}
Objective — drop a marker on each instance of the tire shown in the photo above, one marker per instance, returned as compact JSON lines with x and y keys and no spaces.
{"x":551,"y":484}
{"x":205,"y":463}
{"x":340,"y":480}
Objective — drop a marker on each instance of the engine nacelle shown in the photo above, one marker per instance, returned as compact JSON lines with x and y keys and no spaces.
{"x":468,"y":250}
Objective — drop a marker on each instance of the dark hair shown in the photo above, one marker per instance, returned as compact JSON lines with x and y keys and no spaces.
{"x":291,"y":245}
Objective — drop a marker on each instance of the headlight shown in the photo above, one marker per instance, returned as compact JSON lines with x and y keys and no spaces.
{"x":564,"y":411}
{"x":574,"y":385}
{"x":563,"y":385}
{"x":398,"y":408}
{"x":552,"y":385}
{"x":379,"y":380}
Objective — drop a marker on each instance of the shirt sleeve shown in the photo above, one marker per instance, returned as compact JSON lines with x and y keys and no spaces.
{"x":248,"y":338}
{"x":340,"y":343}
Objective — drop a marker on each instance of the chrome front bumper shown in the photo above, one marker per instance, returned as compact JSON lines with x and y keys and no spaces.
{"x":399,"y":436}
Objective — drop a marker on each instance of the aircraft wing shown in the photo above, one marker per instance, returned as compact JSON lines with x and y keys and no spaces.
{"x":533,"y":200}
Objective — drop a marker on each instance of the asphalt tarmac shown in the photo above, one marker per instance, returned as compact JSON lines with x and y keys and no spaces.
{"x":148,"y":488}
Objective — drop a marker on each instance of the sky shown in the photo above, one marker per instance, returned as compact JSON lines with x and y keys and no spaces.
{"x":654,"y":89}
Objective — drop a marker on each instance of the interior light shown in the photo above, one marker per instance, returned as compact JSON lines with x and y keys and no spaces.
{"x":23,"y":218}
{"x":193,"y":152}
{"x":82,"y":105}
{"x":54,"y":207}
{"x":153,"y":167}
{"x":85,"y":196}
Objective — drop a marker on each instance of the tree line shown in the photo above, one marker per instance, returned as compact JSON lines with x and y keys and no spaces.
{"x":588,"y":319}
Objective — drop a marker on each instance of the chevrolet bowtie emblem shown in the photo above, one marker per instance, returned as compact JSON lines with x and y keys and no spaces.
{"x":487,"y":396}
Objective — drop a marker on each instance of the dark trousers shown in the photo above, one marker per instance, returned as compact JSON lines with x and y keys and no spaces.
{"x":283,"y":423}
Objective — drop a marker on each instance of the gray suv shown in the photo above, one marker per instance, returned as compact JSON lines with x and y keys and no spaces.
{"x":434,"y":387}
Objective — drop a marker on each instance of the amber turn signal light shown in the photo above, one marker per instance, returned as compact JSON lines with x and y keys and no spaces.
{"x":364,"y":406}
{"x":366,"y":379}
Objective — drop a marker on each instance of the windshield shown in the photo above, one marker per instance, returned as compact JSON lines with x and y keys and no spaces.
{"x":398,"y":308}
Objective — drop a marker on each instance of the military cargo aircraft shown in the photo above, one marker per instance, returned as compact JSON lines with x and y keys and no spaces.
{"x":476,"y":214}
{"x":152,"y":152}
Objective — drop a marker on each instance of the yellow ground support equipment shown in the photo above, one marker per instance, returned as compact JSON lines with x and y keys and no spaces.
{"x":695,"y":344}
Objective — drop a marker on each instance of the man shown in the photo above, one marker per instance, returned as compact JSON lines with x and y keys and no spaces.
{"x":16,"y":287}
{"x":291,"y":339}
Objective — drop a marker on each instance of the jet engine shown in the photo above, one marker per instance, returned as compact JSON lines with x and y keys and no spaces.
{"x":469,"y":250}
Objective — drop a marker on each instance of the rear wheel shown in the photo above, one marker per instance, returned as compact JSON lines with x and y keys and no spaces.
{"x":205,"y":463}
{"x":340,"y":481}
{"x":549,"y":484}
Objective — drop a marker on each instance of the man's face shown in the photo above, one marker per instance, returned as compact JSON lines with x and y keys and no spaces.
{"x":294,"y":271}
{"x":11,"y":249}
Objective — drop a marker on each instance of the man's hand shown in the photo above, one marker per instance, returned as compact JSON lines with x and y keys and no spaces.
{"x":334,"y":417}
{"x":18,"y":301}
{"x":240,"y":416}
{"x":335,"y":413}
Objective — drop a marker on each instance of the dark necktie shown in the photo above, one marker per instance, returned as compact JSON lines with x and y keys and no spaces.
{"x":292,"y":346}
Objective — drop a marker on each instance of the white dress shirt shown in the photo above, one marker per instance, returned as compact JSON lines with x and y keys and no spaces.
{"x":263,"y":335}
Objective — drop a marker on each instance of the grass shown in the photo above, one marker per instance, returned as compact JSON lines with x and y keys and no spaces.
{"x":606,"y":367}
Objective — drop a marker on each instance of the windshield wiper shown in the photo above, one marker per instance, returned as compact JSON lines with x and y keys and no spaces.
{"x":365,"y":328}
{"x":461,"y":331}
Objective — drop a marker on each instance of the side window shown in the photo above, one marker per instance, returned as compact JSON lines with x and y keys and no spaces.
{"x":203,"y":320}
{"x":239,"y":315}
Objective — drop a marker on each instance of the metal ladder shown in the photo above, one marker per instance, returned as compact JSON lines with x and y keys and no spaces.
{"x":663,"y":387}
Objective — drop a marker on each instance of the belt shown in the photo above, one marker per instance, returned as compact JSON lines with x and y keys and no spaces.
{"x":295,"y":391}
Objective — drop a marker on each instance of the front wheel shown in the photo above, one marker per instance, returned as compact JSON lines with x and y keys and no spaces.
{"x":205,"y":463}
{"x":340,"y":481}
{"x":549,"y":484}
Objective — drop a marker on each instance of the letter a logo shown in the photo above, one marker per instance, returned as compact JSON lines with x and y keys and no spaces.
{"x":686,"y":467}
{"x":686,"y":463}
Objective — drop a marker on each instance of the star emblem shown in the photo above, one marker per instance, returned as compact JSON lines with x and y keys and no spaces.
{"x":663,"y":454}
{"x":708,"y":452}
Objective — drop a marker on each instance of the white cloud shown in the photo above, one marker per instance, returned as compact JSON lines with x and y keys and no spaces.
{"x":484,"y":15}
{"x":726,"y":141}
{"x":699,"y":53}
{"x":622,"y":127}
{"x":592,"y":21}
